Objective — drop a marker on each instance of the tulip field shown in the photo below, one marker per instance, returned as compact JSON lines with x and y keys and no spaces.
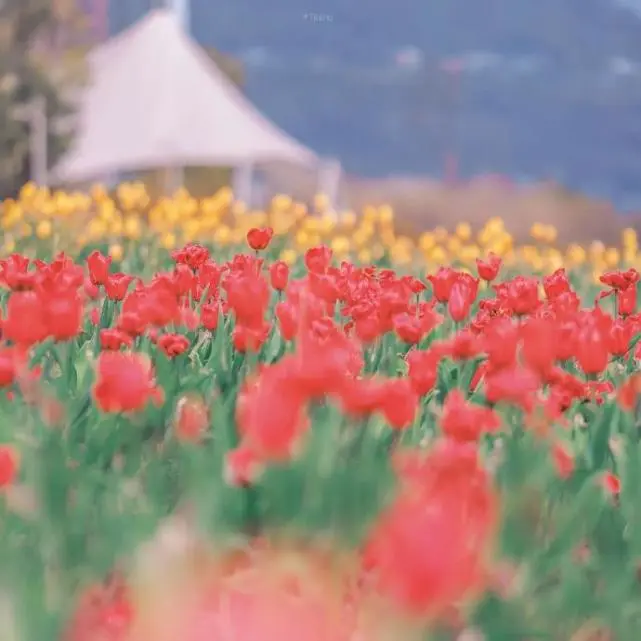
{"x":220,"y":424}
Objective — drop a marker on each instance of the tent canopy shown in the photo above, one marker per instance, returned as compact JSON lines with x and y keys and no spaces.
{"x":156,"y":100}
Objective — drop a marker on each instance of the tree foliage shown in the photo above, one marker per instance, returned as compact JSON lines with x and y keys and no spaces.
{"x":23,"y":25}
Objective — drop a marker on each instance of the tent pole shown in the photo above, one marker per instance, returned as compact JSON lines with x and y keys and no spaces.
{"x":182,"y":10}
{"x":173,"y":180}
{"x":243,"y":183}
{"x":329,"y":181}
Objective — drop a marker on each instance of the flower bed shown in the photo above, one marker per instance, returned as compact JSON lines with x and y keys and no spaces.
{"x":215,"y":443}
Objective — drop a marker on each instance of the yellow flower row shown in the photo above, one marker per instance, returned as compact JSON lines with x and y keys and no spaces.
{"x":129,"y":214}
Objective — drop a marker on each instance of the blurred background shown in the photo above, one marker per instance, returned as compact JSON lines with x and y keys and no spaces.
{"x":534,"y":89}
{"x":405,"y":93}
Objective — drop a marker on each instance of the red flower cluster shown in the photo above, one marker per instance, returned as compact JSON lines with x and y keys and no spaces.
{"x":45,"y":302}
{"x":124,"y":382}
{"x":525,"y":342}
{"x":429,"y":550}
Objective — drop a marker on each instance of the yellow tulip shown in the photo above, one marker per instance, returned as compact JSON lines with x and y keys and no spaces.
{"x":238,"y":208}
{"x":302,"y":238}
{"x":597,"y":248}
{"x":208,"y":206}
{"x":400,"y":255}
{"x":369,"y":214}
{"x":495,"y":225}
{"x":116,"y":226}
{"x":528,"y":252}
{"x":62,"y":205}
{"x":576,"y":254}
{"x":96,"y":228}
{"x":189,"y":207}
{"x":191,"y":229}
{"x":341,"y":246}
{"x":281,"y":224}
{"x":289,"y":256}
{"x":485,"y":236}
{"x":629,"y":238}
{"x":172,"y":213}
{"x":388,"y":237}
{"x":181,"y":194}
{"x":321,"y":202}
{"x":453,"y":244}
{"x":9,"y":221}
{"x":225,"y":196}
{"x":312,"y":224}
{"x":28,"y":191}
{"x":347,"y":220}
{"x":469,"y":253}
{"x":327,"y":223}
{"x":222,"y":235}
{"x":44,"y":229}
{"x":426,"y":241}
{"x":13,"y":210}
{"x":630,"y":256}
{"x":116,"y":252}
{"x":168,"y":240}
{"x":132,"y":227}
{"x":538,"y":231}
{"x":463,"y":231}
{"x":611,"y":257}
{"x":314,"y":240}
{"x":360,"y":238}
{"x":156,"y":216}
{"x":553,"y":259}
{"x":438,"y":255}
{"x":260,"y":219}
{"x":501,"y":245}
{"x":281,"y":202}
{"x":107,"y":209}
{"x":536,"y":262}
{"x":440,"y":234}
{"x":82,"y":202}
{"x":300,"y":210}
{"x":367,"y":227}
{"x":385,"y":214}
{"x":550,"y":234}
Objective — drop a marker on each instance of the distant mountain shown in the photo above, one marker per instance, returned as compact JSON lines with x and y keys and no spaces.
{"x":632,"y":5}
{"x":564,"y":31}
{"x":324,"y":70}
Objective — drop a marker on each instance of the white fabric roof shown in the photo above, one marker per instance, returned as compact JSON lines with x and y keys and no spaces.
{"x":157,"y":100}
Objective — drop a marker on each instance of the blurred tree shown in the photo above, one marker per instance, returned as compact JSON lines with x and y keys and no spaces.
{"x":68,"y":22}
{"x":23,"y":23}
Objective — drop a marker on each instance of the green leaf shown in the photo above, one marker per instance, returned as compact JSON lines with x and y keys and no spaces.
{"x":601,"y":429}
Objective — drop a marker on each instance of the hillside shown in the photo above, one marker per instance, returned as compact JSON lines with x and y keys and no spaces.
{"x":566,"y":32}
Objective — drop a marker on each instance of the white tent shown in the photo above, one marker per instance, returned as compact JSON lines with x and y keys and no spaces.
{"x":156,"y":100}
